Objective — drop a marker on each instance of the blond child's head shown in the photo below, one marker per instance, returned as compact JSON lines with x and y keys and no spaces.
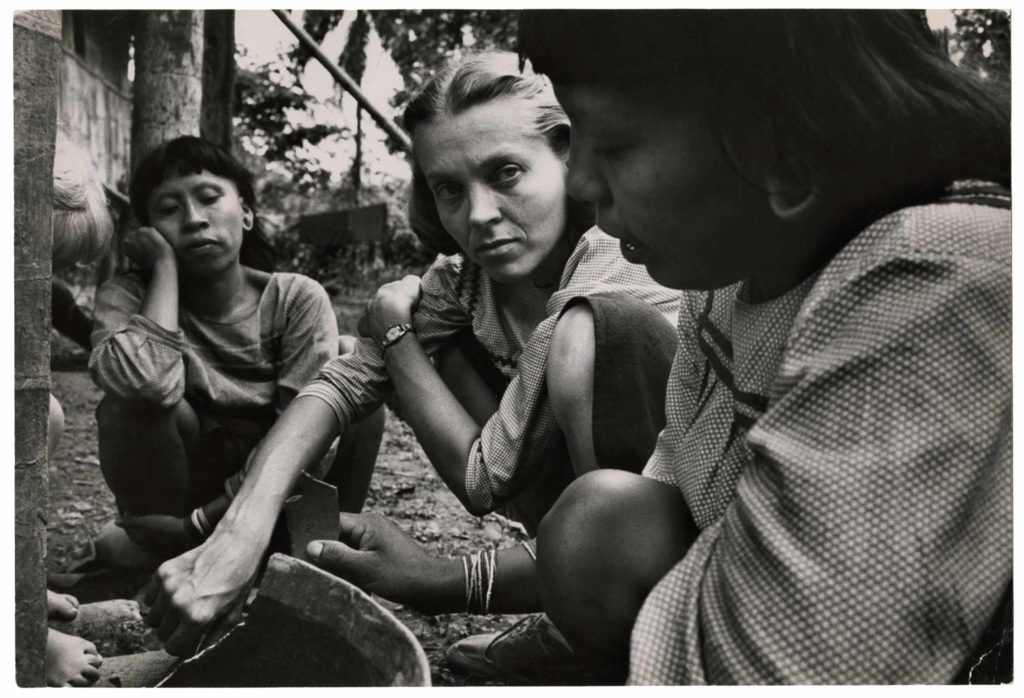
{"x":82,"y":227}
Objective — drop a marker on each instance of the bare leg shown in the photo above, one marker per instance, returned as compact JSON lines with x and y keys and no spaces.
{"x":570,"y":379}
{"x":71,"y":661}
{"x":605,"y":544}
{"x":54,"y":427}
{"x":144,"y":454}
{"x":353,"y":464}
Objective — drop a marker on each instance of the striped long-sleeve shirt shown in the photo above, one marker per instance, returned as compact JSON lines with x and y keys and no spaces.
{"x":243,"y":369}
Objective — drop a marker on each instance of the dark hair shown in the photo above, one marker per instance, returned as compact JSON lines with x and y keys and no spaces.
{"x":853,"y":96}
{"x":190,"y":155}
{"x":476,"y":79}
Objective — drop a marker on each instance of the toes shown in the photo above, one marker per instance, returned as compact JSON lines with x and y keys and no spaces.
{"x":61,"y":606}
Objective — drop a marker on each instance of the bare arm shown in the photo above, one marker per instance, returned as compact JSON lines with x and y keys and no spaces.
{"x":211,"y":581}
{"x":148,"y":248}
{"x":445,"y":430}
{"x":378,"y":556}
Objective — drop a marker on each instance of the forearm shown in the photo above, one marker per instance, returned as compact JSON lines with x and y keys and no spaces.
{"x":512,"y":585}
{"x":160,"y":303}
{"x":445,"y":430}
{"x":297,"y":441}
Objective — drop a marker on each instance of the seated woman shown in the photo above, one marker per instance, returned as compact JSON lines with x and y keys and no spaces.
{"x":197,"y":351}
{"x":520,"y":317}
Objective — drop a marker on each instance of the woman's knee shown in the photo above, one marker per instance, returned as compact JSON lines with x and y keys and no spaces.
{"x":603,"y":546}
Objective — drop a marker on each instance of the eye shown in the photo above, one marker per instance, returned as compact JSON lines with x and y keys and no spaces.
{"x":507,"y":173}
{"x":208,"y":197}
{"x":166,"y":209}
{"x":447,"y":192}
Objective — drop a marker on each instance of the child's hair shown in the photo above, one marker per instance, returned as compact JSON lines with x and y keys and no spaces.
{"x":853,"y":96}
{"x":187,"y":155}
{"x":476,"y":79}
{"x":82,"y":227}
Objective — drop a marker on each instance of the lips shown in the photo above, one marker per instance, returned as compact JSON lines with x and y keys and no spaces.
{"x":634,"y":252}
{"x":200,"y":246}
{"x":493,"y":245}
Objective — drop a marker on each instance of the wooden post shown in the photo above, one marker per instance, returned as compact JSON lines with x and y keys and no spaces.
{"x":36,"y":83}
{"x":168,"y":89}
{"x":218,"y":76}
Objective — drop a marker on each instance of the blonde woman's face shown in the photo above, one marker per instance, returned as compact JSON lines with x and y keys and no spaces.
{"x":499,"y":188}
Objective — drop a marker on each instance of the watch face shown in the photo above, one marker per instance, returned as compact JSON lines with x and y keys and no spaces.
{"x":394,"y":333}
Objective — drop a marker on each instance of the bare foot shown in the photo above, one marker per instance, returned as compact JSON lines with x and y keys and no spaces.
{"x":61,"y":606}
{"x":71,"y":661}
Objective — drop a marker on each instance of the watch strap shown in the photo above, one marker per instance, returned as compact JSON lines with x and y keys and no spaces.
{"x":393,"y":335}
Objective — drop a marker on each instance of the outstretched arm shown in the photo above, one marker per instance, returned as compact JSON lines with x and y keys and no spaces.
{"x":375,"y":554}
{"x":209,"y":583}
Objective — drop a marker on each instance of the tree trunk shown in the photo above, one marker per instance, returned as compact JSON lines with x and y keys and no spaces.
{"x":36,"y":69}
{"x":167,"y":95}
{"x":218,"y":77}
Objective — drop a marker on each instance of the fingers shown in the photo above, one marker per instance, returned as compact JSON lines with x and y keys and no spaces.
{"x":225,"y":624}
{"x":351,"y":529}
{"x":184,"y":641}
{"x":158,"y":605}
{"x":333,"y":556}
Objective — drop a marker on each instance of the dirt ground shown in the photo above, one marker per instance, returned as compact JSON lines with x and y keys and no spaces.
{"x":404,"y":488}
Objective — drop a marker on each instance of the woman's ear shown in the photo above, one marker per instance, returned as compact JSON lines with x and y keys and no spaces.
{"x":248,"y":217}
{"x":790,"y":198}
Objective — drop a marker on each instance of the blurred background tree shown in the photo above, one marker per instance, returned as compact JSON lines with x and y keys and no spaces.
{"x":981,"y":42}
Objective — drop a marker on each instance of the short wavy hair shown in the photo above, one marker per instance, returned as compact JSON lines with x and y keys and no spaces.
{"x":473,"y":80}
{"x":82,"y":227}
{"x":191,"y":155}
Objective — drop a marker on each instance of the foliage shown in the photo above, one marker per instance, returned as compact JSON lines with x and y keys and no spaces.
{"x":266,"y":101}
{"x":421,"y":41}
{"x":982,"y":41}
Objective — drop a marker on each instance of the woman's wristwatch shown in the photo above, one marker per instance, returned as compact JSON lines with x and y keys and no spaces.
{"x":394,"y":334}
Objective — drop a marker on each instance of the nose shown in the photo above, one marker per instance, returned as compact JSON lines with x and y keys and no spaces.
{"x":584,"y":182}
{"x":193,"y":217}
{"x":483,"y":208}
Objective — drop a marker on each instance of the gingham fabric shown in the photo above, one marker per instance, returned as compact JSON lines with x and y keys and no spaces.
{"x":846,"y":453}
{"x":456,"y":294}
{"x":238,"y":370}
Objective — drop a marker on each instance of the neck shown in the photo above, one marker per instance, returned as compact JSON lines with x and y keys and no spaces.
{"x":549,"y":272}
{"x":804,"y":246}
{"x":216,"y":297}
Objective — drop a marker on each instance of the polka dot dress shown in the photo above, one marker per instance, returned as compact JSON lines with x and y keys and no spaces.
{"x":846,"y":452}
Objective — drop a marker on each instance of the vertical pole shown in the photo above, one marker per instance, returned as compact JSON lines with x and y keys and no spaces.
{"x":168,"y":90}
{"x":36,"y":84}
{"x":218,"y":77}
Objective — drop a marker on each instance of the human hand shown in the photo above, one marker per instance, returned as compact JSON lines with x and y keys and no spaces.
{"x":201,"y":592}
{"x":169,"y":534}
{"x":377,"y":556}
{"x":146,"y":247}
{"x":393,"y":304}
